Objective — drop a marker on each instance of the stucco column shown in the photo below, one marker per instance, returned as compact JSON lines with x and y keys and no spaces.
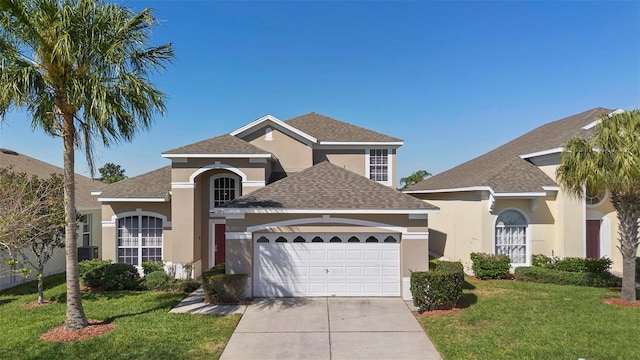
{"x":182,"y":225}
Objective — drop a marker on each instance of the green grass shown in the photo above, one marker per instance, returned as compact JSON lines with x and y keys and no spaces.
{"x":521,"y":320}
{"x":145,"y":329}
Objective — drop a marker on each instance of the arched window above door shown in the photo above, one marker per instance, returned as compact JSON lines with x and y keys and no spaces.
{"x":224,"y":188}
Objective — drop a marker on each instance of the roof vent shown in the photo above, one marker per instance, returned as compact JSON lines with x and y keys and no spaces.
{"x":8,"y":152}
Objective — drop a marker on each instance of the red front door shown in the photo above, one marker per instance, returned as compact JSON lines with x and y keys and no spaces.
{"x":219,"y":244}
{"x":593,"y":238}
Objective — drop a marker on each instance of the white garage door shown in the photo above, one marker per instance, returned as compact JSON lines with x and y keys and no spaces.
{"x":326,"y":265}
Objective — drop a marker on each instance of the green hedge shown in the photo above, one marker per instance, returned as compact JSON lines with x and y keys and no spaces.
{"x":216,"y":270}
{"x":438,"y":287}
{"x":552,"y":276}
{"x":161,"y":281}
{"x":112,"y":277}
{"x":152,"y":266}
{"x":224,"y":288}
{"x":490,"y":266}
{"x":85,"y":265}
{"x":573,"y":264}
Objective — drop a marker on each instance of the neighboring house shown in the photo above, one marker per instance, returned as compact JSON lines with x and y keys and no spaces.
{"x":89,"y":230}
{"x":507,"y":201}
{"x":305,"y":207}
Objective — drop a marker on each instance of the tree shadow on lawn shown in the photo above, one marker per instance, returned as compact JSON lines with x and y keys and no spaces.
{"x":467,"y":285}
{"x":31,"y":287}
{"x":467,"y":300}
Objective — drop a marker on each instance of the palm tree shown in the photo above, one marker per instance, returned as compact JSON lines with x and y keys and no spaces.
{"x":610,"y":159}
{"x":414,"y":178}
{"x":81,"y":69}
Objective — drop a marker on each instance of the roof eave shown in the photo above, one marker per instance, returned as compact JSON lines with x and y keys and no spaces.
{"x":321,"y":211}
{"x":361,"y":143}
{"x":152,"y":199}
{"x":221,"y":156}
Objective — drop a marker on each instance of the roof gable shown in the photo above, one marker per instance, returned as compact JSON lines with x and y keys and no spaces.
{"x":272,"y":120}
{"x":503,"y":170}
{"x":218,"y":146}
{"x":326,"y":186}
{"x":329,"y":130}
{"x":25,"y":164}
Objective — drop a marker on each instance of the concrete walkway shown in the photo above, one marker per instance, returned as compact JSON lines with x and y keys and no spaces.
{"x":193,"y":304}
{"x":329,"y":328}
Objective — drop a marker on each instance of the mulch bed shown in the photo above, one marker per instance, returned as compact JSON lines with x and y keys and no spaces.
{"x":620,"y":302}
{"x":34,"y":304}
{"x":94,"y":329}
{"x":461,"y":305}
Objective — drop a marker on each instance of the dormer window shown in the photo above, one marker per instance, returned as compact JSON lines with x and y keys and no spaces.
{"x":379,"y":166}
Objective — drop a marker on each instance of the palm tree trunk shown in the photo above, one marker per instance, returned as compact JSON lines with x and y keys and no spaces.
{"x":75,"y":318}
{"x":628,"y":210}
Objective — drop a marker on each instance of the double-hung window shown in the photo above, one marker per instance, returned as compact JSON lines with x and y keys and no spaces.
{"x":139,"y":239}
{"x":379,"y":166}
{"x":86,"y":230}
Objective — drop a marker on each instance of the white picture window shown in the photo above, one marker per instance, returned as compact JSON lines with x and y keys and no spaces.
{"x":379,"y":165}
{"x":86,"y":230}
{"x":224,"y":188}
{"x":511,"y":236}
{"x":139,"y":239}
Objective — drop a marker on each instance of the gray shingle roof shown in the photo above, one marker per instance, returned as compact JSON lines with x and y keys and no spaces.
{"x":154,"y":184}
{"x":25,"y":164}
{"x":223,"y":144}
{"x":325,"y":128}
{"x":327,"y":186}
{"x":502,"y":168}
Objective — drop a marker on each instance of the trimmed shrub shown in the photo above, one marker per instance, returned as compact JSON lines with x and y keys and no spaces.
{"x":540,"y":260}
{"x":490,"y":266}
{"x":85,"y":265}
{"x":152,"y":266}
{"x":551,"y":276}
{"x":573,"y":264}
{"x":216,"y":270}
{"x":186,"y":285}
{"x":157,"y":281}
{"x":224,"y":288}
{"x":111,"y":277}
{"x":448,"y":266}
{"x":433,"y":289}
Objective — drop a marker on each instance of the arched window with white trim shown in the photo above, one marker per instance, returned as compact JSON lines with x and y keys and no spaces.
{"x":139,"y":239}
{"x":511,"y":236}
{"x":224,"y":188}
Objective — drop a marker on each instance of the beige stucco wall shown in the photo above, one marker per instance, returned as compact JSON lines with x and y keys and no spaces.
{"x":254,"y":171}
{"x":353,"y":159}
{"x":292,"y":155}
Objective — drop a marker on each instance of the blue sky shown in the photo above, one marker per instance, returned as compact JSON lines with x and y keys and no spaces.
{"x":452,"y":79}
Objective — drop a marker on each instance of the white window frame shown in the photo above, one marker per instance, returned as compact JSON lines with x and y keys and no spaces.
{"x":139,"y":246}
{"x":527,"y":235}
{"x":236,"y":187}
{"x":367,"y":164}
{"x":86,"y":229}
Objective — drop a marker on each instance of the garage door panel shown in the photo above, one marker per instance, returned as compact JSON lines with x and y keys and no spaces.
{"x":325,"y":269}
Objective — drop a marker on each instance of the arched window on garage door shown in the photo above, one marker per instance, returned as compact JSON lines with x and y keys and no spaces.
{"x":511,"y":236}
{"x":139,"y":239}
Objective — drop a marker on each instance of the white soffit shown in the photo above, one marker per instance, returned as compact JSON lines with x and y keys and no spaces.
{"x":542,"y":153}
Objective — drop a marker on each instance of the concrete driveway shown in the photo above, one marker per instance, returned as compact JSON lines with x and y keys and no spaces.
{"x":329,"y":328}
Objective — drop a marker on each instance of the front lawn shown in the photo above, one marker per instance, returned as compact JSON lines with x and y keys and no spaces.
{"x":145,"y":329}
{"x":521,"y":320}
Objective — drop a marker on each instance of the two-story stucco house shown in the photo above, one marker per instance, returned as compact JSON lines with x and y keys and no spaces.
{"x":305,"y":207}
{"x":508,"y":201}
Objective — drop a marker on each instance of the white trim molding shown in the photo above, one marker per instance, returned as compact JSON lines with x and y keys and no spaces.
{"x":217,"y":165}
{"x":182,"y":185}
{"x":362,"y":143}
{"x":320,"y":220}
{"x":138,"y":199}
{"x":96,"y":192}
{"x":591,"y":125}
{"x":460,"y":189}
{"x":226,"y":211}
{"x":221,"y":156}
{"x":239,"y":235}
{"x":279,"y":123}
{"x":542,"y":153}
{"x":519,"y":195}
